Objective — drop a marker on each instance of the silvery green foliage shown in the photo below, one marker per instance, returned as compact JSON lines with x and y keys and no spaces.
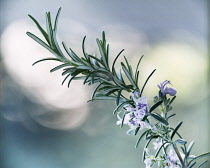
{"x":169,"y":149}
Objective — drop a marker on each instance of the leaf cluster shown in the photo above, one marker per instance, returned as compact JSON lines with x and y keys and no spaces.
{"x":91,"y":69}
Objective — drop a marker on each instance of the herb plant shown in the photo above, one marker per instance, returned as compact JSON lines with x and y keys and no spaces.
{"x":170,"y":150}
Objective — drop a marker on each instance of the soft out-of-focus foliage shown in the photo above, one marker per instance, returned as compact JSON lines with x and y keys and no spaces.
{"x":149,"y":28}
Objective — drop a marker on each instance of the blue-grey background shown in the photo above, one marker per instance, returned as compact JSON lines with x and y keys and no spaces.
{"x":46,"y":125}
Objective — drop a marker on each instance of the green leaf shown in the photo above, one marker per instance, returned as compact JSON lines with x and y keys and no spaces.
{"x":159,"y":118}
{"x":107,"y":53}
{"x":189,"y":148}
{"x":103,"y":54}
{"x":38,"y":40}
{"x":88,"y":76}
{"x":46,"y":59}
{"x":176,"y":133}
{"x":56,"y":46}
{"x":158,"y":151}
{"x":107,"y":87}
{"x":95,"y":90}
{"x":59,"y":67}
{"x":116,"y":59}
{"x":129,"y":67}
{"x":49,"y":28}
{"x":191,"y":164}
{"x":137,"y":67}
{"x":66,"y":78}
{"x":79,"y":77}
{"x":84,"y":67}
{"x":147,"y":81}
{"x":86,"y":62}
{"x":120,"y":77}
{"x":166,"y":101}
{"x":128,"y":75}
{"x":75,"y":56}
{"x":137,"y":78}
{"x":142,"y":135}
{"x":96,"y":59}
{"x":119,"y":106}
{"x":136,"y":130}
{"x":83,"y":48}
{"x":144,"y":152}
{"x":92,"y":77}
{"x":155,"y":106}
{"x":118,"y":82}
{"x":176,"y":129}
{"x":95,"y":63}
{"x":68,"y":70}
{"x":105,"y":50}
{"x":170,"y":116}
{"x":172,"y":100}
{"x":201,"y":165}
{"x":103,"y":98}
{"x":181,"y":141}
{"x":122,"y":121}
{"x":183,"y":149}
{"x":40,"y":29}
{"x":56,"y":19}
{"x":103,"y":38}
{"x":118,"y":97}
{"x":201,"y":156}
{"x":70,"y":52}
{"x":74,"y":74}
{"x":168,"y":107}
{"x":151,"y":136}
{"x":111,"y":91}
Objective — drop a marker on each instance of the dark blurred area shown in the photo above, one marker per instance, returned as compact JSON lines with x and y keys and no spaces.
{"x":46,"y":125}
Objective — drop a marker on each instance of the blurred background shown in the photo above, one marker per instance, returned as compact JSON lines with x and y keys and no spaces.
{"x":46,"y":125}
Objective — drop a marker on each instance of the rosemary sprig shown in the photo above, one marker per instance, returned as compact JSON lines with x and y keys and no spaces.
{"x":112,"y":84}
{"x":91,"y":69}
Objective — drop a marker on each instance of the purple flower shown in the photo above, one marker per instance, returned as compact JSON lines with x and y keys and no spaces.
{"x":139,"y":113}
{"x":134,"y":113}
{"x":140,"y":102}
{"x":166,"y":90}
